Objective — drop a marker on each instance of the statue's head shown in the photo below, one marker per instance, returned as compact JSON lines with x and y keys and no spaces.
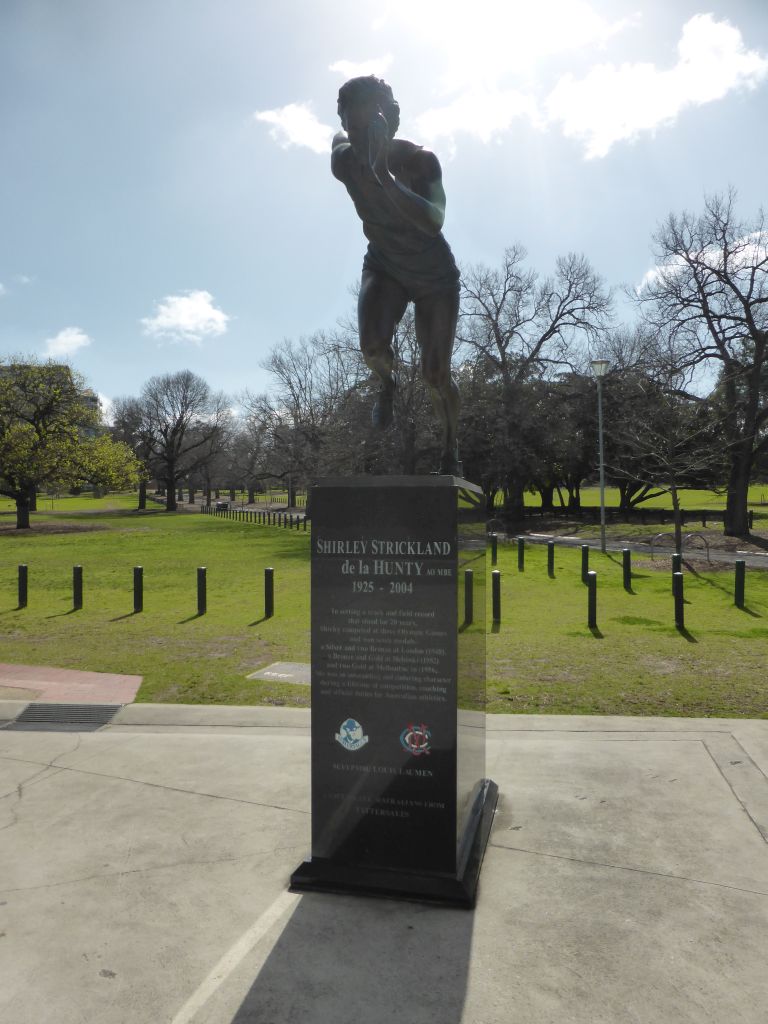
{"x":368,"y":94}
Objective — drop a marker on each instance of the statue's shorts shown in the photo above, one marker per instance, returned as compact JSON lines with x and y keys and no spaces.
{"x":420,"y":279}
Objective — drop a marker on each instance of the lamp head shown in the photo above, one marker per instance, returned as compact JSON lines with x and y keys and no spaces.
{"x":600,"y":366}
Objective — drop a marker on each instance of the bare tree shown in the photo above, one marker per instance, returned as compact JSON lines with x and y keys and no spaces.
{"x":661,"y":442}
{"x":130,"y":427}
{"x":526,"y":326}
{"x":527,"y":332}
{"x":300,"y":424}
{"x":187,"y":424}
{"x":709,"y":291}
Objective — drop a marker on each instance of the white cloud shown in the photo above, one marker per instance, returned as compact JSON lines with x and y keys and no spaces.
{"x":744,"y":254}
{"x":484,"y":113}
{"x":486,"y":41}
{"x":3,"y":289}
{"x":107,"y":409}
{"x":492,"y":59}
{"x":615,"y":103}
{"x":190,"y":316}
{"x":296,"y":125}
{"x":351,"y":69}
{"x":22,"y":279}
{"x":67,"y":342}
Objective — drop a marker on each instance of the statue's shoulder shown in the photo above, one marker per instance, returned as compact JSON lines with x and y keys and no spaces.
{"x":416,"y":160}
{"x":341,"y":154}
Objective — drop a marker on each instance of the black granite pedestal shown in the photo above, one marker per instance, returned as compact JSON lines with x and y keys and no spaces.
{"x":401,"y":806}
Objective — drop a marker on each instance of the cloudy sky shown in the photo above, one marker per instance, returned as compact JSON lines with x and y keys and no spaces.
{"x":164,"y":178}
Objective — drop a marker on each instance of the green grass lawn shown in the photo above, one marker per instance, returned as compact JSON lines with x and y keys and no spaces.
{"x":67,"y":503}
{"x":542,"y":659}
{"x":182,"y":657}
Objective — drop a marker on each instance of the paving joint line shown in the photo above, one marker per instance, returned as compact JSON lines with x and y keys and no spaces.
{"x":158,"y":785}
{"x":156,"y":867}
{"x":624,"y":867}
{"x":736,"y":796}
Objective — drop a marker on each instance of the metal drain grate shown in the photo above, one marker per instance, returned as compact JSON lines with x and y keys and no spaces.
{"x":61,"y":717}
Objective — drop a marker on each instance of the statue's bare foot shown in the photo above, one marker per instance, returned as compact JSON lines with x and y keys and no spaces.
{"x":383,"y":409}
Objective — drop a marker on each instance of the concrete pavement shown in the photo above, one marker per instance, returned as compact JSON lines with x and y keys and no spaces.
{"x":143,"y":872}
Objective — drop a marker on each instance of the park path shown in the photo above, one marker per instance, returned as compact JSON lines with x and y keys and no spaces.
{"x":66,"y":686}
{"x":755,"y":559}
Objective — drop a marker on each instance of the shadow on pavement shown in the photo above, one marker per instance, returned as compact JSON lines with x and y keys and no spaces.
{"x":343,"y":958}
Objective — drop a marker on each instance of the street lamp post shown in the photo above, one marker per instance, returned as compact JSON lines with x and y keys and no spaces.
{"x":600,"y":368}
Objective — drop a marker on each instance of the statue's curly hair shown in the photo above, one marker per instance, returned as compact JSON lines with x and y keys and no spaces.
{"x":370,"y":87}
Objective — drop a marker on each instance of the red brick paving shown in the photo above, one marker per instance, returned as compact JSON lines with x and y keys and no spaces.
{"x":66,"y":686}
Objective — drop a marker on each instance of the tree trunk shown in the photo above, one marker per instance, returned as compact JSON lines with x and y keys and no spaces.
{"x":208,"y":496}
{"x":547,"y":492}
{"x":170,"y":495}
{"x":736,"y":523}
{"x":232,"y":494}
{"x":142,"y":496}
{"x":490,"y":491}
{"x":191,"y":496}
{"x":251,"y":495}
{"x":624,"y":496}
{"x":514,"y":500}
{"x":33,"y":498}
{"x":22,"y":512}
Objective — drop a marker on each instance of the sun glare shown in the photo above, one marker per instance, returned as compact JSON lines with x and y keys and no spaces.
{"x":483,"y":42}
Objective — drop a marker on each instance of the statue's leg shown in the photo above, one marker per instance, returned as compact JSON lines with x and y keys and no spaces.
{"x":435,"y":322}
{"x":380,"y":307}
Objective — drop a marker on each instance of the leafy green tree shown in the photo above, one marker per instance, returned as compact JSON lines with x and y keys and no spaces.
{"x":49,"y":434}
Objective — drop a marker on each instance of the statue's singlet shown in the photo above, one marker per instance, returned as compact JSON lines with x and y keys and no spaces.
{"x":421,"y":263}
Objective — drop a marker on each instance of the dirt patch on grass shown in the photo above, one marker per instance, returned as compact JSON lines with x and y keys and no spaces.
{"x":8,"y":529}
{"x":664,"y":564}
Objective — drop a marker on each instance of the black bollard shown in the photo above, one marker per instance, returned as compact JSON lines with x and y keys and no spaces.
{"x":738,"y":594}
{"x":551,"y":559}
{"x":496,"y":594}
{"x":626,"y":566}
{"x":592,"y":599}
{"x":521,"y":554}
{"x":494,"y":549}
{"x":138,"y":588}
{"x":269,"y":593}
{"x":202,"y":596}
{"x":77,"y":587}
{"x":305,"y":524}
{"x":23,"y":585}
{"x":584,"y":562}
{"x":469,"y":609}
{"x":677,"y":592}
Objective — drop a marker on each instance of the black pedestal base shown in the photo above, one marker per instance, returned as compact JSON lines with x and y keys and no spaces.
{"x":456,"y":891}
